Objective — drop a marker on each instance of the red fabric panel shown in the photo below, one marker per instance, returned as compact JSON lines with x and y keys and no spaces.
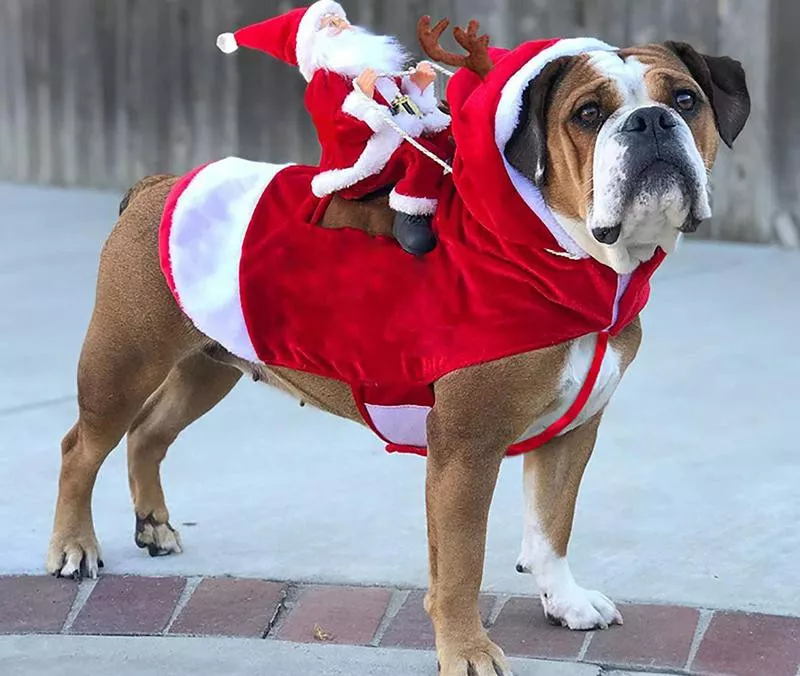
{"x":357,"y":308}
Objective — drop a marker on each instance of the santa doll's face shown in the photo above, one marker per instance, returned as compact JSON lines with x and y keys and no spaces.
{"x":335,"y":24}
{"x":349,"y":50}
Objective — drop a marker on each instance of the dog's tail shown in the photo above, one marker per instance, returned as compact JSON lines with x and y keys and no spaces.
{"x":139,"y":186}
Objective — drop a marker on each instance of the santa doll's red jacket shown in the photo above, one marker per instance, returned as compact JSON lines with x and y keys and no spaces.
{"x":245,"y":260}
{"x":358,"y":145}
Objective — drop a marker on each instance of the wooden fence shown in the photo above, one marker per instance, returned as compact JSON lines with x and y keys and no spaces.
{"x":98,"y":93}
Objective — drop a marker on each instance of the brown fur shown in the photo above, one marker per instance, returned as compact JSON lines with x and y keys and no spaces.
{"x":146,"y":371}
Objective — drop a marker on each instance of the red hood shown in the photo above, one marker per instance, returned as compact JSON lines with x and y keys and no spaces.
{"x":484,"y":115}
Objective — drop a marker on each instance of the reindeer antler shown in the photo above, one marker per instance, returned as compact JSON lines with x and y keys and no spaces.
{"x":477,"y":57}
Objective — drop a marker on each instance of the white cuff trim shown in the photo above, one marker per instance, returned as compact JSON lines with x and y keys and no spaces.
{"x":435,"y":121}
{"x":363,"y":108}
{"x":425,"y":100}
{"x":414,"y":206}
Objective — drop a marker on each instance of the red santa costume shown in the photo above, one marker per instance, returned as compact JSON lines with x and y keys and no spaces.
{"x":361,"y":152}
{"x":247,"y":264}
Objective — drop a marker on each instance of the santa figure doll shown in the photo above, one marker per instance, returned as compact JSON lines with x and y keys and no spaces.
{"x":356,"y":99}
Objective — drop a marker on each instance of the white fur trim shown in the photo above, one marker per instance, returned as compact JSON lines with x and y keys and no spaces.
{"x":507,"y":118}
{"x":374,"y":158}
{"x":207,"y":232}
{"x":410,"y":124}
{"x":425,"y":100}
{"x":375,"y":155}
{"x":309,"y":25}
{"x":404,"y":425}
{"x":363,"y":108}
{"x":435,"y":121}
{"x":414,"y":206}
{"x":226,"y":42}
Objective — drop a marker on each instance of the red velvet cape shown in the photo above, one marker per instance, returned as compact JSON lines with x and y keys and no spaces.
{"x":342,"y":304}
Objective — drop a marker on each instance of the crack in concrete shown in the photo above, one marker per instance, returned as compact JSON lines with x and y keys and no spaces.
{"x":36,"y":405}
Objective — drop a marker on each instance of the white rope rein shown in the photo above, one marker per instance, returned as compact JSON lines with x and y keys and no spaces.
{"x":446,"y":167}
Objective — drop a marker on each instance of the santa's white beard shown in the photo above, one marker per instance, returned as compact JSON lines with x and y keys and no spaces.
{"x":354,"y":50}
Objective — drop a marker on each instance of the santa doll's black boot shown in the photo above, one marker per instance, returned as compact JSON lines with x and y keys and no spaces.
{"x":414,"y":233}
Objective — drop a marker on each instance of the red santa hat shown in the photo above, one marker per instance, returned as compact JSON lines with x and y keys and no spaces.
{"x":287,"y":37}
{"x":485,"y":112}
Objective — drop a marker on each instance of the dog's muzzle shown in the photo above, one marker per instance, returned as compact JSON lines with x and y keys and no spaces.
{"x":654,"y":148}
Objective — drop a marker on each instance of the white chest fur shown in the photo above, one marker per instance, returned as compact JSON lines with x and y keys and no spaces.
{"x":572,"y":379}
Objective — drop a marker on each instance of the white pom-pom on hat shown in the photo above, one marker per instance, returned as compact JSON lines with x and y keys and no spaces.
{"x":227,"y":43}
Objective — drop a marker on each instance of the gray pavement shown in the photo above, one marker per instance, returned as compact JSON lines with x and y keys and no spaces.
{"x":59,"y":655}
{"x":690,"y":498}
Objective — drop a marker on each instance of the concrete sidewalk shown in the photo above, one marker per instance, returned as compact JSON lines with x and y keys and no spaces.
{"x":691,"y":497}
{"x":55,"y":656}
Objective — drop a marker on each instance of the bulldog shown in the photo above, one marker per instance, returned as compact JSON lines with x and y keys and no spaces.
{"x":611,"y":147}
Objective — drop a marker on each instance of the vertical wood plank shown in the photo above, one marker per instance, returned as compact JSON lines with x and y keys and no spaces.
{"x":70,"y":76}
{"x":647,"y":17}
{"x":35,"y":56}
{"x":744,"y":197}
{"x":203,"y":64}
{"x":81,"y":34}
{"x":785,"y":96}
{"x":178,"y":56}
{"x":608,"y":20}
{"x":494,"y":17}
{"x":7,"y":160}
{"x":692,"y":22}
{"x":19,"y":88}
{"x":116,"y":38}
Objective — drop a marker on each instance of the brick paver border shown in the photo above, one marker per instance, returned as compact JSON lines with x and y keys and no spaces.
{"x":674,"y":639}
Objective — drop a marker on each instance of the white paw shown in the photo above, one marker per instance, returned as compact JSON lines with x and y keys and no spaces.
{"x":160,"y":539}
{"x":581,"y":609}
{"x":76,"y":559}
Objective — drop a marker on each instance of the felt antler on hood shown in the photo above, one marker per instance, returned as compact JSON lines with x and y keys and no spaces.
{"x":477,"y":58}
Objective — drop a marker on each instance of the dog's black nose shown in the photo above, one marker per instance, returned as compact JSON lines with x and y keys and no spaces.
{"x":652,"y":119}
{"x":607,"y":235}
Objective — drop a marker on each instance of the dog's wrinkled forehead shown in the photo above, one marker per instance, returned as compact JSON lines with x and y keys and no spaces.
{"x":634,"y":76}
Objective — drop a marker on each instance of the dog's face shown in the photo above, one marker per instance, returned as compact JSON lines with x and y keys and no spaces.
{"x":621,"y":143}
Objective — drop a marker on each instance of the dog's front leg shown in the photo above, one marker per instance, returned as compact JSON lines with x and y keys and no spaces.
{"x":552,"y":476}
{"x":460,"y":481}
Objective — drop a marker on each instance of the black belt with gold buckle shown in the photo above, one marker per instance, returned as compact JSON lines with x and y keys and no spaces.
{"x":403,"y":103}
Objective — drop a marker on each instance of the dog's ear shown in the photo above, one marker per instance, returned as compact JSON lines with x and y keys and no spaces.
{"x":724,"y":83}
{"x":526,"y":150}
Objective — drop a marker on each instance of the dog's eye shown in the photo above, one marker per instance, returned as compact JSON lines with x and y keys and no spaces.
{"x":589,"y":115}
{"x":685,"y":100}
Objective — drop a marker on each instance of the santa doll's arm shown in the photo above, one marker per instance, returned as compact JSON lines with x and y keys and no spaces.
{"x":347,"y":113}
{"x":426,"y":100}
{"x":434,"y":121}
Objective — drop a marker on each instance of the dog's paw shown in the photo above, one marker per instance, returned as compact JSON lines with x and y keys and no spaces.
{"x":580,"y":609}
{"x":485,"y":660}
{"x":76,"y":558}
{"x":159,"y":539}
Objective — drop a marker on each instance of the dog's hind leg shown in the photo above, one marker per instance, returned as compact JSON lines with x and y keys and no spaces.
{"x":193,"y":387}
{"x":112,"y":386}
{"x":136,"y":334}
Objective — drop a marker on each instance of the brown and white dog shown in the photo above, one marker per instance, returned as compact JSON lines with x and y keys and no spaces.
{"x":621,"y":144}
